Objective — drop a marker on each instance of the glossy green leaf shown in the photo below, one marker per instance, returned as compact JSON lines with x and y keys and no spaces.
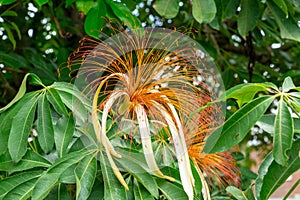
{"x":271,"y":175}
{"x":125,"y":15}
{"x":238,"y":125}
{"x":204,"y":11}
{"x":139,"y":174}
{"x":230,"y":8}
{"x":55,"y":100}
{"x":84,"y":5}
{"x":63,"y":133}
{"x":167,"y":8}
{"x":241,"y":195}
{"x":10,"y":13}
{"x":22,"y":192}
{"x":29,"y":161}
{"x":85,"y":174}
{"x":6,"y":2}
{"x":248,"y":17}
{"x":9,"y":34}
{"x":95,"y":19}
{"x":12,"y":182}
{"x":112,"y":187}
{"x":6,"y":119}
{"x":288,"y":26}
{"x":281,"y":4}
{"x":49,"y":179}
{"x":288,"y":84}
{"x":45,"y":125}
{"x":17,"y":141}
{"x":68,"y":177}
{"x":140,"y":193}
{"x":171,"y":191}
{"x":20,"y":93}
{"x":244,"y":93}
{"x":41,"y":2}
{"x":283,"y":133}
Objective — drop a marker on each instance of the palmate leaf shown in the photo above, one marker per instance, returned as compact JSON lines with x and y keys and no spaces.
{"x":238,"y":125}
{"x":85,"y":174}
{"x":29,"y":161}
{"x":140,"y":193}
{"x":112,"y":187}
{"x":45,"y":125}
{"x":271,"y":175}
{"x":12,"y":183}
{"x":49,"y":179}
{"x":21,"y":126}
{"x":283,"y":133}
{"x":55,"y":100}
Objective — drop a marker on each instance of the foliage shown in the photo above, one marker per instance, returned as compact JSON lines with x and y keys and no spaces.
{"x":255,"y":45}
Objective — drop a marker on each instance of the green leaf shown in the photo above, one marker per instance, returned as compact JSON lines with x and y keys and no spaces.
{"x":140,"y":193}
{"x":17,"y":141}
{"x":29,"y":161}
{"x":55,"y":100}
{"x":283,"y":133}
{"x":16,"y":29}
{"x":45,"y":125}
{"x":271,"y":175}
{"x":248,"y":17}
{"x":10,"y":13}
{"x":95,"y":19}
{"x":112,"y":187}
{"x":288,"y":84}
{"x":6,"y":2}
{"x":230,"y":8}
{"x":68,"y":177}
{"x":49,"y":179}
{"x":85,"y":174}
{"x":10,"y":35}
{"x":13,"y":60}
{"x":63,"y":133}
{"x":167,"y":8}
{"x":139,"y":174}
{"x":124,"y":14}
{"x":204,"y":11}
{"x":244,"y":93}
{"x":20,"y":93}
{"x":22,"y":192}
{"x":171,"y":191}
{"x":281,"y":4}
{"x":287,"y":25}
{"x":238,"y":125}
{"x":266,"y":123}
{"x":41,"y":2}
{"x":12,"y":182}
{"x":84,"y":5}
{"x":241,"y":195}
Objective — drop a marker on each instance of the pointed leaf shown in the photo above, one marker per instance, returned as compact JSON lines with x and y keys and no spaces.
{"x":171,"y":191}
{"x":12,"y":182}
{"x":283,"y":133}
{"x":204,"y":11}
{"x":140,"y":175}
{"x":112,"y":187}
{"x":29,"y":161}
{"x":20,"y":93}
{"x":63,"y":133}
{"x":238,"y":125}
{"x":288,"y":26}
{"x":167,"y":8}
{"x":248,"y":17}
{"x":125,"y":15}
{"x":271,"y":175}
{"x":6,"y":119}
{"x":41,"y":2}
{"x":288,"y":84}
{"x":49,"y":179}
{"x":22,"y":192}
{"x":21,"y":126}
{"x":140,"y":193}
{"x":85,"y":174}
{"x":45,"y":125}
{"x":281,"y":4}
{"x":55,"y":100}
{"x":241,"y":195}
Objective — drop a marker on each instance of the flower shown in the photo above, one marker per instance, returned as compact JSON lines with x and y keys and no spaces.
{"x":146,"y":75}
